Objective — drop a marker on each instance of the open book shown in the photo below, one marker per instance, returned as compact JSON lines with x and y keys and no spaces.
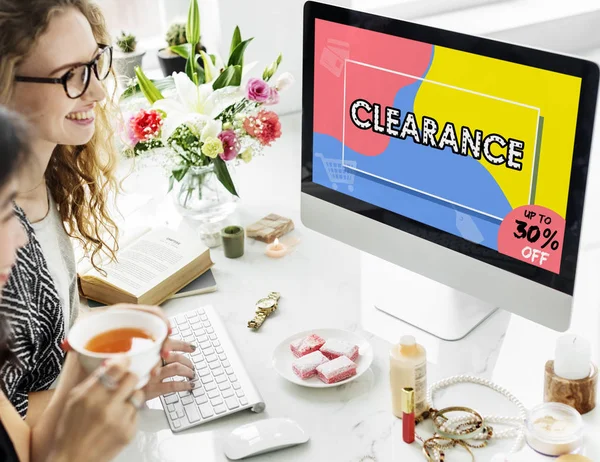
{"x":150,"y":269}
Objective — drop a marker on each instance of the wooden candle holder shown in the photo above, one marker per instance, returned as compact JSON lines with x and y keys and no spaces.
{"x":579,"y":394}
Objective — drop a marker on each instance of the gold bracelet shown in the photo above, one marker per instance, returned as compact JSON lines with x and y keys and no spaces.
{"x":477,"y":427}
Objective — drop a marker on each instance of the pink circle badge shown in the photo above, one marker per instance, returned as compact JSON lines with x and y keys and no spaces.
{"x":533,"y":234}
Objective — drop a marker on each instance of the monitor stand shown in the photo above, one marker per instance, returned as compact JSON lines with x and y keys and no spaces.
{"x":420,"y":302}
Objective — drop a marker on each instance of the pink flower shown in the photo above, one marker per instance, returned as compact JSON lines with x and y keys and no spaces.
{"x":273,"y":97}
{"x":258,"y":90}
{"x":144,"y":125}
{"x":231,"y":146}
{"x":265,"y":127}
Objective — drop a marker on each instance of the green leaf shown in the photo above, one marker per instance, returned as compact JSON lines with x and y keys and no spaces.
{"x":192,"y":30}
{"x":223,"y":175}
{"x":237,"y":55}
{"x":224,"y":78}
{"x":199,"y":71}
{"x":180,"y":172}
{"x":161,"y":84}
{"x":213,"y":58}
{"x":236,"y":80}
{"x":171,"y":183}
{"x":149,"y":90}
{"x":236,"y":40}
{"x":190,"y":70}
{"x":181,"y":50}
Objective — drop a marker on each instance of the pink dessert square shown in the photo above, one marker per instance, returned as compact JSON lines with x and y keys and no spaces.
{"x":335,"y":348}
{"x":336,"y":370}
{"x":306,"y":345}
{"x":306,"y":366}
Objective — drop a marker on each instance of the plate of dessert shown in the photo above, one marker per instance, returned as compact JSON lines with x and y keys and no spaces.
{"x":322,"y":358}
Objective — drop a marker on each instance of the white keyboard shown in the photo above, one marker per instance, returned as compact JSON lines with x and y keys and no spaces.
{"x":222,"y":384}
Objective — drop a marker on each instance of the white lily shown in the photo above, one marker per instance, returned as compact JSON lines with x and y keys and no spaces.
{"x":196,"y":104}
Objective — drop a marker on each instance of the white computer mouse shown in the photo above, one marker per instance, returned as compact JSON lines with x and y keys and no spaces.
{"x":263,"y":436}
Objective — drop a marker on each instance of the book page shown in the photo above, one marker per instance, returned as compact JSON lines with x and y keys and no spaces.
{"x":150,"y":260}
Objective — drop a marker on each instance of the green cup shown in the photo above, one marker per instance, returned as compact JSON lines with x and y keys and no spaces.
{"x":233,"y":241}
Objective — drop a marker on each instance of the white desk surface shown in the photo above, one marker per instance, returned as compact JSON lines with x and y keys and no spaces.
{"x":320,"y":287}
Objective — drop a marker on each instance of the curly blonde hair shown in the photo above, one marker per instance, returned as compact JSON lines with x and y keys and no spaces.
{"x":80,"y":178}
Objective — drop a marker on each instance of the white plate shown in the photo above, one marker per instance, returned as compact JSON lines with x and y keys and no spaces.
{"x":283,"y":356}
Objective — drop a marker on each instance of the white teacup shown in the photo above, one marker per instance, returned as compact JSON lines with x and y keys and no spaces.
{"x":142,"y":361}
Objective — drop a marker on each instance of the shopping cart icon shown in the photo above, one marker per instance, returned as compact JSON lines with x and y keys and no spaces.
{"x":337,"y":172}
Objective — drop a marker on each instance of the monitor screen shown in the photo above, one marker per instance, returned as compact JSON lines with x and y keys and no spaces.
{"x":471,"y":151}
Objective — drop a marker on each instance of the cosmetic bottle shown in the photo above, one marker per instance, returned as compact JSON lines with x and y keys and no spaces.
{"x":408,"y":369}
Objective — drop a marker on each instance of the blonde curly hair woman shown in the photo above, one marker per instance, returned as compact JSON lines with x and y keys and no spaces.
{"x":54,"y":61}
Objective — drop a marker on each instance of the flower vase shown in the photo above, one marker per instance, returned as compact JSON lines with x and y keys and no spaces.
{"x":201,"y":196}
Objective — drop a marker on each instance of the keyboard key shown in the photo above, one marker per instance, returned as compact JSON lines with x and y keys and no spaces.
{"x":216,"y":343}
{"x":179,"y":410}
{"x":211,"y":358}
{"x":204,"y":317}
{"x":213,"y":336}
{"x":236,"y":386}
{"x":216,"y":401}
{"x":224,"y":386}
{"x":180,"y":319}
{"x":190,"y":314}
{"x":173,"y":415}
{"x":210,"y":330}
{"x":203,"y":372}
{"x":218,"y":371}
{"x":240,"y":393}
{"x":221,"y":379}
{"x":219,"y":349}
{"x":199,"y":360}
{"x":200,"y":311}
{"x":170,"y":407}
{"x":220,"y":409}
{"x":222,"y":356}
{"x":192,"y":412}
{"x":243,"y":401}
{"x":206,"y":324}
{"x":197,"y":327}
{"x":187,"y":400}
{"x":205,"y":345}
{"x":185,"y":332}
{"x":203,"y":338}
{"x":228,"y":393}
{"x":232,"y":403}
{"x":232,"y":378}
{"x":198,"y":392}
{"x":229,"y":370}
{"x":214,"y":365}
{"x":206,"y":410}
{"x":210,"y":386}
{"x":198,"y":352}
{"x":176,"y":423}
{"x":171,"y":399}
{"x":207,"y":379}
{"x":202,"y":399}
{"x":209,"y":351}
{"x":183,"y":394}
{"x":213,"y":394}
{"x":189,"y":339}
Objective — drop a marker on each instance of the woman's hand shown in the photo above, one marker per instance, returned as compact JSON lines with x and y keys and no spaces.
{"x":175,"y":364}
{"x":100,"y":415}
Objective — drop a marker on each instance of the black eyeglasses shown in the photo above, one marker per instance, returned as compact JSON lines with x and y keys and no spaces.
{"x":77,"y":79}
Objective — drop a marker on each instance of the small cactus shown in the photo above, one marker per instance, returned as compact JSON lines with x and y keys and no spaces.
{"x":176,"y":36}
{"x":126,"y":42}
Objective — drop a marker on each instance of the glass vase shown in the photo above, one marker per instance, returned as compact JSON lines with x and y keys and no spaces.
{"x":201,"y":196}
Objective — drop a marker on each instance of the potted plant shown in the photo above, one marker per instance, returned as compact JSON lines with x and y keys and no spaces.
{"x":171,"y":58}
{"x":126,"y":58}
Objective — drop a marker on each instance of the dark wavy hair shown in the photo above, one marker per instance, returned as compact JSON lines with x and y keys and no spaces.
{"x":14,"y":149}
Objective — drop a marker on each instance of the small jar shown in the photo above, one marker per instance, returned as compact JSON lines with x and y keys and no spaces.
{"x":554,"y":429}
{"x":233,"y":241}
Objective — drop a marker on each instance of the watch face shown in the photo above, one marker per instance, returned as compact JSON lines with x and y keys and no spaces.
{"x":266,"y":303}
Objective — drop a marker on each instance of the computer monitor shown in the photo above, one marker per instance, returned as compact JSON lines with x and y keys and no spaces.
{"x":461,"y":159}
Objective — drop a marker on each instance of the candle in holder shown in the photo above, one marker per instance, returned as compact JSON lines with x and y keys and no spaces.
{"x":233,"y":241}
{"x":572,"y":358}
{"x":276,"y":249}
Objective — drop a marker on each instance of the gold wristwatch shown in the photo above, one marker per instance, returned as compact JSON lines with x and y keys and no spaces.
{"x":264,"y":307}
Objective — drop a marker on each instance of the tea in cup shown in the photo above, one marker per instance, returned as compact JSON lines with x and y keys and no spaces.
{"x":136,"y":334}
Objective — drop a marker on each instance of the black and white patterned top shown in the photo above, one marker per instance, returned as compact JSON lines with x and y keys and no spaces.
{"x":32,"y":308}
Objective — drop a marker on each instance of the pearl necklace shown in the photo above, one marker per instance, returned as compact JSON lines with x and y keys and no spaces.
{"x":518,"y":422}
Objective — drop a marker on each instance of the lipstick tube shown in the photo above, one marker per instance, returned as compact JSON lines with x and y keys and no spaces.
{"x":408,"y":415}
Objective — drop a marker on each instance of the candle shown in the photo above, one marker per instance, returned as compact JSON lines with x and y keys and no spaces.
{"x":573,"y":357}
{"x":233,"y":241}
{"x":276,"y":249}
